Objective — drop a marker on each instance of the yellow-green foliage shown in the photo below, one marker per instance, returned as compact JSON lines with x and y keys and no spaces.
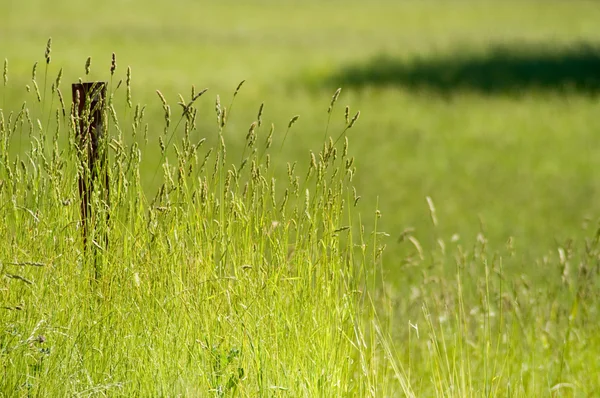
{"x":246,"y":254}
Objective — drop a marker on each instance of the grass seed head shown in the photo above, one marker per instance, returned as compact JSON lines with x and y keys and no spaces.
{"x":37,"y":91}
{"x":349,"y":163}
{"x":162,"y":98}
{"x":88,"y":64}
{"x":195,"y":97}
{"x":334,"y":98}
{"x":161,"y":143}
{"x":34,"y":71}
{"x":355,"y":195}
{"x":62,"y":101}
{"x":270,"y":136}
{"x":223,"y":149}
{"x":167,"y":116}
{"x":48,"y":51}
{"x":218,"y":109}
{"x":128,"y":82}
{"x":223,"y":117}
{"x":432,"y":212}
{"x":307,"y":200}
{"x":5,"y":73}
{"x":251,"y":136}
{"x":128,"y":79}
{"x":59,"y":77}
{"x":238,"y":87}
{"x":136,"y":114}
{"x":293,"y":120}
{"x":260,"y":112}
{"x":113,"y":114}
{"x":354,"y":119}
{"x":113,"y":64}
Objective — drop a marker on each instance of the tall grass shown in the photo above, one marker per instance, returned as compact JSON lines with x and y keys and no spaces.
{"x":246,"y":275}
{"x":227,"y":280}
{"x":465,"y":326}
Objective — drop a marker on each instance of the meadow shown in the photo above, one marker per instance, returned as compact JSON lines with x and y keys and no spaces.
{"x":443,"y":242}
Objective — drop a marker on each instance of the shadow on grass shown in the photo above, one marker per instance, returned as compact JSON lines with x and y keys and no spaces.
{"x":502,"y":69}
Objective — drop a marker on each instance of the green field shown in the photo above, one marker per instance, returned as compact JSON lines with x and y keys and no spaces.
{"x":476,"y":143}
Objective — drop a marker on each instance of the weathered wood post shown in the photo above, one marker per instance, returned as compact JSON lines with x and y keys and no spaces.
{"x":89,"y":100}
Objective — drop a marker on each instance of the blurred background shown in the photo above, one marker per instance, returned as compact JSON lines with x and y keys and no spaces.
{"x":490,"y":108}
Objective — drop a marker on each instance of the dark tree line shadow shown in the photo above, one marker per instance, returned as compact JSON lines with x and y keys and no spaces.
{"x":502,"y":69}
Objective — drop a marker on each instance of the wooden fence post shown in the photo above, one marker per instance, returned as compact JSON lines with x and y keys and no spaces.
{"x":89,"y":100}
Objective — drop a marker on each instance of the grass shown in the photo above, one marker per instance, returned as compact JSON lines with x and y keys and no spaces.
{"x":489,"y":287}
{"x":223,"y":282}
{"x":269,"y":45}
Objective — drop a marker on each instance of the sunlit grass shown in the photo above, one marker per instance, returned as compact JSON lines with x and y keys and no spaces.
{"x":498,"y":297}
{"x":233,"y":280}
{"x":225,"y":280}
